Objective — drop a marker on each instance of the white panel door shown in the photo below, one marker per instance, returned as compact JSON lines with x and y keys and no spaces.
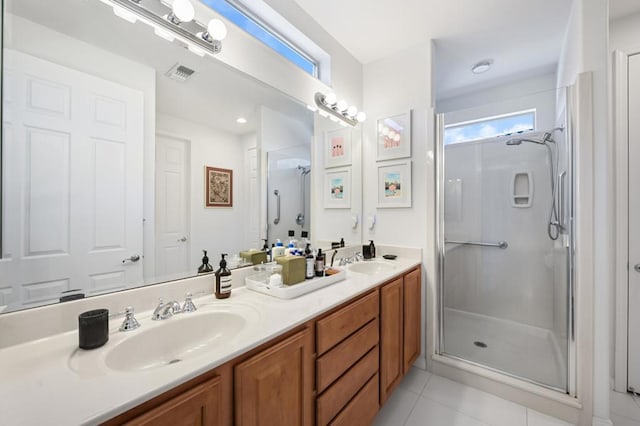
{"x":634,"y":223}
{"x":172,"y":208}
{"x":74,"y":201}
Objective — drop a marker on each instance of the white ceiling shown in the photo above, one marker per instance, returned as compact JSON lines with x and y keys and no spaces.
{"x":521,"y":36}
{"x":621,"y":8}
{"x":215,"y":95}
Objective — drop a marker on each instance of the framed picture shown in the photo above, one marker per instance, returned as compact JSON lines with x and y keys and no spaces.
{"x":337,"y":189}
{"x":394,"y":184}
{"x":337,"y":148}
{"x":218,"y":185}
{"x":394,"y":137}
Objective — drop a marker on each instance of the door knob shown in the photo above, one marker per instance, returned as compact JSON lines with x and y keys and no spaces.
{"x":182,"y":240}
{"x":637,"y":267}
{"x":133,"y":258}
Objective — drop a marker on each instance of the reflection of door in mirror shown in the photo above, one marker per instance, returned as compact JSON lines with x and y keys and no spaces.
{"x":72,"y":139}
{"x":172,"y":206}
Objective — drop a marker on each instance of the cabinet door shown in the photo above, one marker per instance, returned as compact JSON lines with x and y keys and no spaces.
{"x":412,"y":319}
{"x":198,"y":406}
{"x":275,"y":387}
{"x":391,"y":341}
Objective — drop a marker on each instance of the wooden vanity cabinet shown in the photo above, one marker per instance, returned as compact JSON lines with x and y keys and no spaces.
{"x":347,"y":363}
{"x":275,"y":386}
{"x":400,"y":307}
{"x":204,"y":400}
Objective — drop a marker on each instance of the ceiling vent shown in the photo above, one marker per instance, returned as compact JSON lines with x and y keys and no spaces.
{"x":179,"y":73}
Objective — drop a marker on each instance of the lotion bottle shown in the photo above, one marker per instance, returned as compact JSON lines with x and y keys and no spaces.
{"x":319,"y":269}
{"x":223,"y":280}
{"x":309,"y":262}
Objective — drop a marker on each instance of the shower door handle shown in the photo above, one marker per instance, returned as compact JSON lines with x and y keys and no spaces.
{"x":500,"y":244}
{"x":277,"y":218}
{"x":561,"y":202}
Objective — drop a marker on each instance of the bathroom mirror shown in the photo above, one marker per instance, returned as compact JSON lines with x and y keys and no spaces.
{"x":107,"y":133}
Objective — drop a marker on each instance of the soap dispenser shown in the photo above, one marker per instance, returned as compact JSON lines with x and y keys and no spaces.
{"x":205,"y":268}
{"x":223,"y":280}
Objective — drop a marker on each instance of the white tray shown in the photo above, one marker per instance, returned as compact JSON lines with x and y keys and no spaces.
{"x":259,"y":283}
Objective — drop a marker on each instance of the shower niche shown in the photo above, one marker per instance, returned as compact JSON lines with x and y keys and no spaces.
{"x":522,"y":190}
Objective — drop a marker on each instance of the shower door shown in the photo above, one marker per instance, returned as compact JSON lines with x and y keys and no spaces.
{"x":504,"y":254}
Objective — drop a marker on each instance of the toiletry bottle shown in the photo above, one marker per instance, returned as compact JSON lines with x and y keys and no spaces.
{"x":310,"y":262}
{"x":341,"y":242}
{"x":372,"y":249}
{"x":223,"y":280}
{"x":205,"y":268}
{"x":278,"y":250}
{"x":292,"y":239}
{"x":319,"y":269}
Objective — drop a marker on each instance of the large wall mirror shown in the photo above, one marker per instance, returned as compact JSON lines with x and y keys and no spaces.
{"x":108,"y":131}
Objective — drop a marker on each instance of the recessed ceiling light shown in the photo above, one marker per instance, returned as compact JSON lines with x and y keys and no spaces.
{"x":241,"y":120}
{"x":482,"y":66}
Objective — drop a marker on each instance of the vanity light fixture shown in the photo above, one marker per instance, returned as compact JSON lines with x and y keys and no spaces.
{"x":174,"y":22}
{"x":338,"y":111}
{"x":482,"y":66}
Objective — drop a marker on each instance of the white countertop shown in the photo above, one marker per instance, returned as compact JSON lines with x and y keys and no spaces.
{"x":43,"y":382}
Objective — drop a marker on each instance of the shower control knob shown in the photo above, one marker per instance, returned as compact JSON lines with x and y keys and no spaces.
{"x":637,"y":267}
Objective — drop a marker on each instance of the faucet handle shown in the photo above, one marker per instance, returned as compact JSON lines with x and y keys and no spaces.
{"x":188,"y":305}
{"x":130,"y":322}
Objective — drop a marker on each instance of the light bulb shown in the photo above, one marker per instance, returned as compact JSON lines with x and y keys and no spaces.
{"x":217,"y":29}
{"x":342,"y":105}
{"x":330,"y":99}
{"x":361,"y":116}
{"x":352,"y":111}
{"x":183,"y":9}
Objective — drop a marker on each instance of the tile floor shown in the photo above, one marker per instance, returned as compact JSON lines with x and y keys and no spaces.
{"x":625,"y":409}
{"x":423,"y":399}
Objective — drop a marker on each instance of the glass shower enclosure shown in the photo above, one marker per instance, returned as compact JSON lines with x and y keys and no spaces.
{"x":505,"y":244}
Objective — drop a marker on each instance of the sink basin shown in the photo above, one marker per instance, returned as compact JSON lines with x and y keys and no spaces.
{"x":175,"y":339}
{"x":371,"y":268}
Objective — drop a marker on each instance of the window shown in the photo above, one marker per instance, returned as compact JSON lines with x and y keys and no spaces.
{"x":254,"y":26}
{"x":521,"y":121}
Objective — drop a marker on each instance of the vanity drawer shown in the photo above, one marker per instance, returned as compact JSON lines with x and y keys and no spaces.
{"x":335,"y":398}
{"x":334,"y":363}
{"x":336,"y":327}
{"x":363,"y":407}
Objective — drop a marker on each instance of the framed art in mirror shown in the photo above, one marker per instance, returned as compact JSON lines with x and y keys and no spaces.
{"x":337,"y":150}
{"x":219,"y":187}
{"x":337,"y":189}
{"x":394,"y":184}
{"x":394,"y":137}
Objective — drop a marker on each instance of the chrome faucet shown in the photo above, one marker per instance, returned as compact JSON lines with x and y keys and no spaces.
{"x":166,"y":310}
{"x":357,"y":257}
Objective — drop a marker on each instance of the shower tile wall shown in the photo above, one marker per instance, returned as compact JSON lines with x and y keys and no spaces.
{"x":517,"y":283}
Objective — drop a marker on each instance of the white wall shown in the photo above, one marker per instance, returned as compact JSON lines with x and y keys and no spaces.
{"x":399,"y":83}
{"x":42,"y":42}
{"x":531,"y":93}
{"x":624,"y":33}
{"x":218,"y":230}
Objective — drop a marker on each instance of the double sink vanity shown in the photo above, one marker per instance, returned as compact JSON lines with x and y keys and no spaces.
{"x":332,"y":356}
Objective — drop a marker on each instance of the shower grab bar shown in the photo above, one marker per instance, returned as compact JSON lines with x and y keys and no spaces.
{"x":500,"y":244}
{"x":277,"y":194}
